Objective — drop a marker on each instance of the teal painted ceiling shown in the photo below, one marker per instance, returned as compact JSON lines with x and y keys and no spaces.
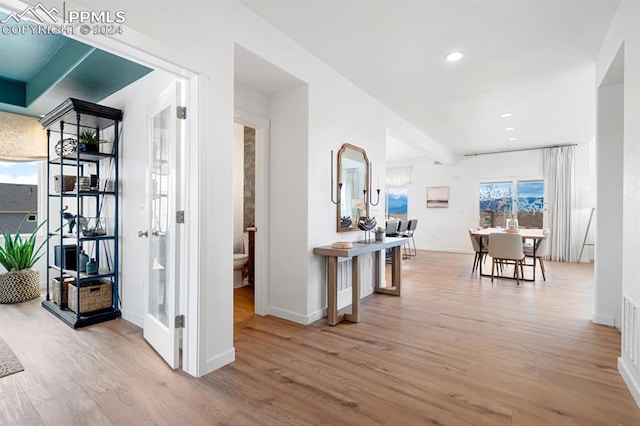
{"x":40,"y":71}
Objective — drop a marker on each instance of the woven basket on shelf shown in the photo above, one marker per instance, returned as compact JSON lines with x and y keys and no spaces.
{"x":55,"y":288}
{"x":19,"y":286}
{"x":94,"y":296}
{"x":68,"y":182}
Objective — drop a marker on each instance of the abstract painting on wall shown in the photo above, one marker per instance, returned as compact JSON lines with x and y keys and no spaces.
{"x":438,"y":196}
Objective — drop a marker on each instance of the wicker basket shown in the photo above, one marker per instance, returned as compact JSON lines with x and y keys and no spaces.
{"x":55,"y":288}
{"x":94,"y":296}
{"x":19,"y":286}
{"x":68,"y":182}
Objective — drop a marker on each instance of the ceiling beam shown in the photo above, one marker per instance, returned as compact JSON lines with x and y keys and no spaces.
{"x":12,"y":92}
{"x":68,"y":56}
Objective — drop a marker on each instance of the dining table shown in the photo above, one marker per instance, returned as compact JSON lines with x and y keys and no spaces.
{"x":534,"y":234}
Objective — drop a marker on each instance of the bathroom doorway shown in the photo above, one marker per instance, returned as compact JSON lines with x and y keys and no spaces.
{"x":244,"y":191}
{"x":250,"y":229}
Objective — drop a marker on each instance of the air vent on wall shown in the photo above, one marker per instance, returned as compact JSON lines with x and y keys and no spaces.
{"x":630,"y":329}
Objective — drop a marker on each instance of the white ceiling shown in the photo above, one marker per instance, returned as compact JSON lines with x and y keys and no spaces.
{"x":532,"y":58}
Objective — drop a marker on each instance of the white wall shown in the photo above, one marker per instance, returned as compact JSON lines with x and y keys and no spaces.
{"x":133,"y":101}
{"x":625,"y":29}
{"x":250,"y":100}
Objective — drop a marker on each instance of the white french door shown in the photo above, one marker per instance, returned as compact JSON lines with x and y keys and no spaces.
{"x":161,"y":289}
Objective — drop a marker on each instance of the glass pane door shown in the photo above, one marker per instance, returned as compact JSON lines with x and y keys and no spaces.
{"x":159,"y":229}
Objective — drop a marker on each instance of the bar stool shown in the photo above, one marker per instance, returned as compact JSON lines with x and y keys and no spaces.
{"x":411,"y":228}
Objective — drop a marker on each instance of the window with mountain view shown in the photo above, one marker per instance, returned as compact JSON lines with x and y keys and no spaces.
{"x":498,"y":201}
{"x":18,"y":195}
{"x":397,"y":202}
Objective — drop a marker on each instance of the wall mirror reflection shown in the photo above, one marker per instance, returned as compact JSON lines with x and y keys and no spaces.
{"x":353,"y":173}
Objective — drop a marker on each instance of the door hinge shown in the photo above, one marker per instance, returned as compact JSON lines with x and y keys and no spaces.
{"x":180,"y":216}
{"x":180,"y":321}
{"x":181,"y":113}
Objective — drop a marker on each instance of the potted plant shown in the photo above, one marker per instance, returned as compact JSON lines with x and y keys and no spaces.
{"x":89,"y":141}
{"x":380,"y":233}
{"x":18,"y":255}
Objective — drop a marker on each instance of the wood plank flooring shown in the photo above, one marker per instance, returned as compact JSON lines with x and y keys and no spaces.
{"x":455,"y":349}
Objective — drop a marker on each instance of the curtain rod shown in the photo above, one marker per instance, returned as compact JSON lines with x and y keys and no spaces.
{"x":518,"y":150}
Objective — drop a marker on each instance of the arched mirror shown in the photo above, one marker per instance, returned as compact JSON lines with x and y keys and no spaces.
{"x":353,"y":173}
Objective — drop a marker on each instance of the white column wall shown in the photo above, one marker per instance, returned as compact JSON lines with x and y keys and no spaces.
{"x":608,"y":249}
{"x":625,"y":29}
{"x":287,"y":206}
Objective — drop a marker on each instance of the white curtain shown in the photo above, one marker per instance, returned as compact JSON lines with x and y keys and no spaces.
{"x":398,"y":176}
{"x":560,"y":199}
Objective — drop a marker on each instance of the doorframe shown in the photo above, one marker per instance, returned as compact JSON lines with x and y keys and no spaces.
{"x":189,"y":263}
{"x":261,"y":282}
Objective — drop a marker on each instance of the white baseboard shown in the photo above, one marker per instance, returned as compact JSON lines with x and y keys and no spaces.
{"x":447,"y":250}
{"x":630,"y":377}
{"x":603,"y":319}
{"x":132,"y":318}
{"x":217,"y":361}
{"x":290,"y":316}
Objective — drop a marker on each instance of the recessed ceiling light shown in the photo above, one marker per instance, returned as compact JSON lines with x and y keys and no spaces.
{"x":455,"y":56}
{"x":513,"y":139}
{"x":508,"y":129}
{"x":505,"y":115}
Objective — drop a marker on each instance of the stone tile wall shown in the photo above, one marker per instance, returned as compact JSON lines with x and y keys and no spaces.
{"x":249,"y":177}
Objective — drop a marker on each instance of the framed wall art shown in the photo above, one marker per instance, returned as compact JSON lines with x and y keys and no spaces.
{"x":438,"y":196}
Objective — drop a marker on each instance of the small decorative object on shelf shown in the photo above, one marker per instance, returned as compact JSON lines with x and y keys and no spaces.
{"x":82,"y":247}
{"x":95,"y":226}
{"x":66,"y":146}
{"x":380,"y":233}
{"x":92,"y":267}
{"x":342,"y":245}
{"x":89,"y":141}
{"x":367,"y":224}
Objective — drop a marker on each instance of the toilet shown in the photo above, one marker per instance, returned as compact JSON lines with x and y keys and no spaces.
{"x":240,"y":262}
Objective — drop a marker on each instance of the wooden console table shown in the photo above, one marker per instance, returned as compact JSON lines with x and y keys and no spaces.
{"x":332,"y":254}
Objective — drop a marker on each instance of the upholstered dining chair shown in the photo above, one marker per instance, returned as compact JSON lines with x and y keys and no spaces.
{"x":504,"y":247}
{"x":391,"y":229}
{"x":411,"y":228}
{"x":480,"y":254}
{"x":541,"y":252}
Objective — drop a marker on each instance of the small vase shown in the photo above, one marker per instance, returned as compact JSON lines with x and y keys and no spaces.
{"x":92,"y":267}
{"x":380,"y":236}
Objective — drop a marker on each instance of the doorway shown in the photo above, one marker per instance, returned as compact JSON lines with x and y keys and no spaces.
{"x":251,"y":230}
{"x":132,"y":209}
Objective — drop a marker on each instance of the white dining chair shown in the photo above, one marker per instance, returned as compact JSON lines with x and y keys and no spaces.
{"x":481,"y":254}
{"x":506,"y":247}
{"x":540,"y":252}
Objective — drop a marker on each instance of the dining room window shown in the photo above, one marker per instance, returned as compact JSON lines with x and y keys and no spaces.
{"x":499,"y":200}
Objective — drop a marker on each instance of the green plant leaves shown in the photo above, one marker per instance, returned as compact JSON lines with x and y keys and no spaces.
{"x":18,"y":253}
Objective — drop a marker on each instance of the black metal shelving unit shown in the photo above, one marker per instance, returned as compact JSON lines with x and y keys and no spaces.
{"x":67,"y":121}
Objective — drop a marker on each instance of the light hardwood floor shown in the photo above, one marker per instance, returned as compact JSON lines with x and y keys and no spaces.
{"x":454,"y":349}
